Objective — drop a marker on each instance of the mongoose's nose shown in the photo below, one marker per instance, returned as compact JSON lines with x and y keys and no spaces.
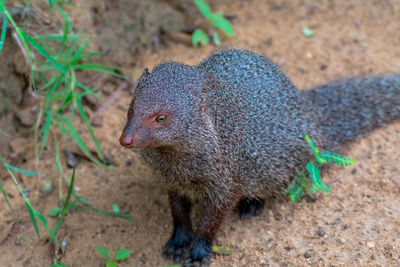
{"x":126,"y":141}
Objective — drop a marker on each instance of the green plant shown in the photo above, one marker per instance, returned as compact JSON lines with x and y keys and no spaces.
{"x":216,"y":20}
{"x":120,"y":255}
{"x":312,"y":181}
{"x":58,"y":88}
{"x":57,"y":94}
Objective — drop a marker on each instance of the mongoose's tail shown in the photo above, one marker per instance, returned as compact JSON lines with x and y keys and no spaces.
{"x":351,"y":107}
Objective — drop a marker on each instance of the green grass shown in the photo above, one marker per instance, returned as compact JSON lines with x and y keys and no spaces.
{"x":216,"y":21}
{"x":120,"y":255}
{"x":56,"y":61}
{"x":310,"y":180}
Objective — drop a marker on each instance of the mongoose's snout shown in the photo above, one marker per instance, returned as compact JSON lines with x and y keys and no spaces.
{"x":136,"y":139}
{"x":127,"y":141}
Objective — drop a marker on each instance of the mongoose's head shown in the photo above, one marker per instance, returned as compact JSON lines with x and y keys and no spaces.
{"x":166,"y":108}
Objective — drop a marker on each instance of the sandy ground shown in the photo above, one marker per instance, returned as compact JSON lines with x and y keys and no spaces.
{"x":360,"y":217}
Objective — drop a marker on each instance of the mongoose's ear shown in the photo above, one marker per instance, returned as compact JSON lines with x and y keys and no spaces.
{"x":145,"y":74}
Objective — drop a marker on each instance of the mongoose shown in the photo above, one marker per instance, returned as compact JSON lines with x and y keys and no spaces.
{"x":230,"y":133}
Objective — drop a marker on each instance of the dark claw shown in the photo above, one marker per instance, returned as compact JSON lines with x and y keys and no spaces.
{"x":200,"y":254}
{"x":250,"y":207}
{"x":178,"y":246}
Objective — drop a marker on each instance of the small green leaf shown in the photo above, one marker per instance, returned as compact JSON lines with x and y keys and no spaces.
{"x":314,"y":172}
{"x":111,"y":263}
{"x":199,"y":36}
{"x":222,"y":250}
{"x":314,"y":149}
{"x":122,"y":254}
{"x":321,"y":159}
{"x":307,"y":32}
{"x":115,"y":208}
{"x":203,"y":7}
{"x":216,"y":39}
{"x":217,"y":20}
{"x":296,"y":193}
{"x":54,"y":212}
{"x":337,"y":159}
{"x":103,"y":251}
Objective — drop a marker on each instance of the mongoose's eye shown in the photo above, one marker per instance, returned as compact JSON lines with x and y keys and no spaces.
{"x":161,"y":118}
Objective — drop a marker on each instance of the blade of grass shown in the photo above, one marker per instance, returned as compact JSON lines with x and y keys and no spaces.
{"x":6,"y":198}
{"x":98,"y":68}
{"x":71,"y":131}
{"x":3,"y":32}
{"x":66,"y":3}
{"x":64,"y":39}
{"x":118,"y":214}
{"x":2,"y":6}
{"x":52,"y":37}
{"x":67,"y":205}
{"x":46,"y":130}
{"x":89,"y":127}
{"x":71,"y":186}
{"x":42,"y":51}
{"x":79,"y":52}
{"x":87,"y":90}
{"x":19,"y":170}
{"x":64,"y":15}
{"x":82,"y":199}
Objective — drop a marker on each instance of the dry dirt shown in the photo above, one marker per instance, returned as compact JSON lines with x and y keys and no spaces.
{"x":360,"y":217}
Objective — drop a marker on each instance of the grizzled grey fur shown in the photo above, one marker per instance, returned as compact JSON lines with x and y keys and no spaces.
{"x":237,"y":132}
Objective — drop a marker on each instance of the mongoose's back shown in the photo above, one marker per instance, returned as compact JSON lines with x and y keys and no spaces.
{"x":270,"y":116}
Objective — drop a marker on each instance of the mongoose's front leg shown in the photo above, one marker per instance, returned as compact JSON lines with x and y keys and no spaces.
{"x":181,"y":238}
{"x":214,"y":214}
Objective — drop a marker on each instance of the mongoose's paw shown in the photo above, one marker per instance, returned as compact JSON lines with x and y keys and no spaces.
{"x":178,"y":245}
{"x":250,"y":207}
{"x":200,"y":254}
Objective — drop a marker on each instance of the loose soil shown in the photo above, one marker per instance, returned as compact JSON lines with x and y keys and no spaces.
{"x":360,"y":217}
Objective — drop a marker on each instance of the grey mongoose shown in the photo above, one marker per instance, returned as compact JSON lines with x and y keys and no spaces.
{"x":229,"y":132}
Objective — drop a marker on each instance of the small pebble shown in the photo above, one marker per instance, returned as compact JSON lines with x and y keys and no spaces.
{"x":309,"y":253}
{"x":341,"y":241}
{"x":307,"y":32}
{"x":311,"y":198}
{"x":371,"y":244}
{"x":98,"y":174}
{"x":47,"y":187}
{"x":128,"y":162}
{"x":109,"y":160}
{"x":321,"y":232}
{"x":72,"y":160}
{"x":277,"y":216}
{"x":26,"y":117}
{"x":97,"y":121}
